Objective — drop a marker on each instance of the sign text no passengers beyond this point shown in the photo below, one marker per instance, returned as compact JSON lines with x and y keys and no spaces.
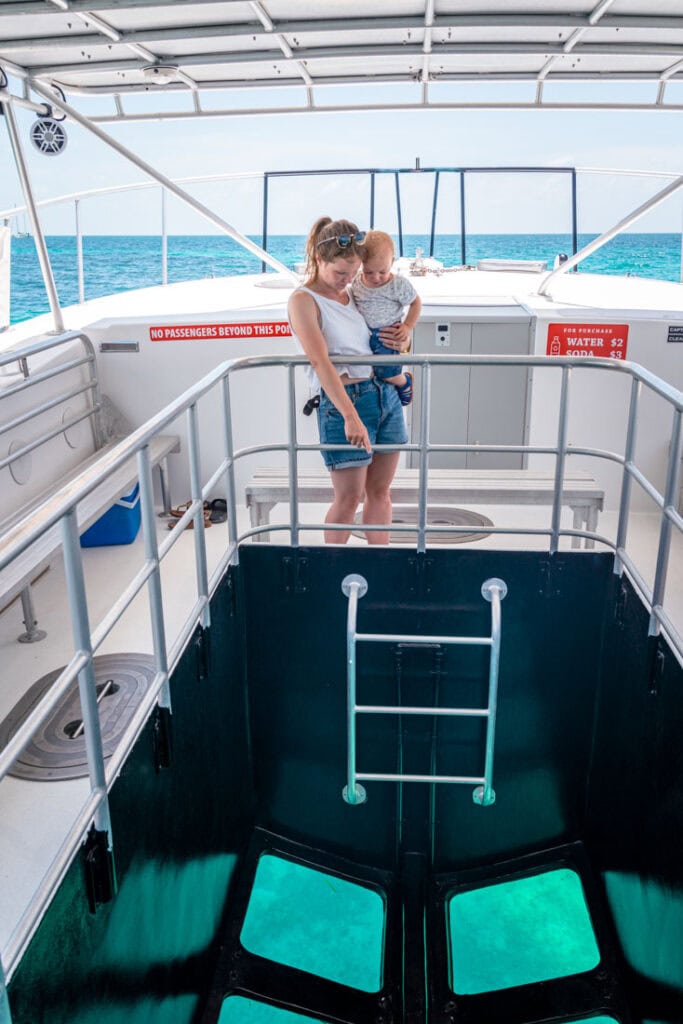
{"x":192,"y":332}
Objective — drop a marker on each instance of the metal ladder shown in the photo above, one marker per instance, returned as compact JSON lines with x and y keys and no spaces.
{"x":354,"y":587}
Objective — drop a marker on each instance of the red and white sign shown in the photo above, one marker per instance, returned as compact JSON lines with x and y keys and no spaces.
{"x":599,"y":341}
{"x":206,"y":332}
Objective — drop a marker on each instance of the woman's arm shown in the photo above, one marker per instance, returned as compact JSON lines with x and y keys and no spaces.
{"x":303,"y":316}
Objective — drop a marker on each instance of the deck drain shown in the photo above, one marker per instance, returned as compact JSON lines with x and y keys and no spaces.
{"x":439,"y":515}
{"x":57,"y":750}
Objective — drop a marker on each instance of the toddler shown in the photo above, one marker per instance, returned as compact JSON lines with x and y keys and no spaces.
{"x":382,"y":297}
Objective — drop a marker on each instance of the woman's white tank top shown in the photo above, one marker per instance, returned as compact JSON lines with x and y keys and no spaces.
{"x":346,"y":334}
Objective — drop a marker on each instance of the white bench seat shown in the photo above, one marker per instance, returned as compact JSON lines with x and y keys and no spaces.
{"x":18,"y":575}
{"x":581,"y":493}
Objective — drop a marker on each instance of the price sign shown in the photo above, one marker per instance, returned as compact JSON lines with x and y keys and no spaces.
{"x":596,"y":341}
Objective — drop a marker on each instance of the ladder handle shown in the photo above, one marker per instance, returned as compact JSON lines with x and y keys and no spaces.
{"x":354,"y":587}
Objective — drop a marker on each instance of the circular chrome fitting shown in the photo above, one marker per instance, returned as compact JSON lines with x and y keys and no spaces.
{"x":361,"y":795}
{"x":349,"y":580}
{"x":488,"y":586}
{"x":480,"y":796}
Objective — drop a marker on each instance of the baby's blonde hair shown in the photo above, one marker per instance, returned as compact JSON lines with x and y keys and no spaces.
{"x":377,"y":242}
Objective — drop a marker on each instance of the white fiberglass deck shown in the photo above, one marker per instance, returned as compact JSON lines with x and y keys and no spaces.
{"x":198,"y":301}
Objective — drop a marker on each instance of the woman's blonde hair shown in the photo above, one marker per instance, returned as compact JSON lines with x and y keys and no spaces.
{"x":377,"y":242}
{"x":322,"y":242}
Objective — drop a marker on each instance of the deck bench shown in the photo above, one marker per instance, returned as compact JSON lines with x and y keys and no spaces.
{"x":16,"y":578}
{"x":581,"y":493}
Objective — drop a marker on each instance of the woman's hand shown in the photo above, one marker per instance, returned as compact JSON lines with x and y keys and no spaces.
{"x":397,"y":337}
{"x":356,"y":433}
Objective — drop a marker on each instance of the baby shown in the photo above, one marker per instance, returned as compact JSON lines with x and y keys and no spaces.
{"x":382,"y":297}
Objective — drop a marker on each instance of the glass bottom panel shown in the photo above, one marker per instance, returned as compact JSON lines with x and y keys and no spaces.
{"x":238,"y":1010}
{"x":315,"y":922}
{"x":520,"y":932}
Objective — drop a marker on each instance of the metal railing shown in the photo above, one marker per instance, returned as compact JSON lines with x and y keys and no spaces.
{"x":355,"y":587}
{"x":462,"y":176}
{"x":87,"y":640}
{"x":20,"y":357}
{"x":441,"y":175}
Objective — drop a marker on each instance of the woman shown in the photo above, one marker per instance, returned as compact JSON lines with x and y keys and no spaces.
{"x":355,"y":408}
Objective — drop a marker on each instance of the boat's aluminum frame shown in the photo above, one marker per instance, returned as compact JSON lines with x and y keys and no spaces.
{"x":168,"y":185}
{"x":608,"y":235}
{"x":41,"y":247}
{"x":162,"y":179}
{"x":421,"y":40}
{"x":62,"y":508}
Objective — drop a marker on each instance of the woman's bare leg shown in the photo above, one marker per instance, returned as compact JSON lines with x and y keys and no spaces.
{"x":377,"y":504}
{"x":348,"y":486}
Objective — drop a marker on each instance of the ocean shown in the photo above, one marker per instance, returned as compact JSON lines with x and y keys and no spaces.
{"x":117,"y":263}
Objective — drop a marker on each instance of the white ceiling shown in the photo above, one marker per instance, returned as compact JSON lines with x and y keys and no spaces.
{"x":104,"y":46}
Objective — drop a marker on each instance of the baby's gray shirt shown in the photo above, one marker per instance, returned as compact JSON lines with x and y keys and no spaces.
{"x":383,"y":306}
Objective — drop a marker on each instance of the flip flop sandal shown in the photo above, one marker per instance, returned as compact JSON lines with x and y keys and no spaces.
{"x":190,"y":526}
{"x":405,"y":391}
{"x":180,"y":510}
{"x":218,"y":510}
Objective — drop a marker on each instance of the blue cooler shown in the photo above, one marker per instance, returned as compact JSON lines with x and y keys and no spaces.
{"x":118,"y":525}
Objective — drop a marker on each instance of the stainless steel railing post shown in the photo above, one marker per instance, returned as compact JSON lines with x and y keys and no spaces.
{"x":230,"y":464}
{"x":627,"y":479}
{"x":672,"y":483}
{"x":79,"y":252}
{"x":293,"y":459}
{"x":164,"y":239}
{"x":199,"y":534}
{"x":423,"y":478}
{"x":354,"y":587}
{"x":560,"y":460}
{"x":156,"y":604}
{"x":78,"y":607}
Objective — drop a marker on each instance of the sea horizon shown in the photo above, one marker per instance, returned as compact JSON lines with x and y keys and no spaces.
{"x":115,"y":263}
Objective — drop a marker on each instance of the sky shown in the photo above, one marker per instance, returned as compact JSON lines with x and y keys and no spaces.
{"x":179,"y":148}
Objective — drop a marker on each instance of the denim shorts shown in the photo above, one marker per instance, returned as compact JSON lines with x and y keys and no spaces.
{"x":380,"y":409}
{"x":380,"y":349}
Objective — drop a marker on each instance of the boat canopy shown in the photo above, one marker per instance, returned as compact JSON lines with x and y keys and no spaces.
{"x":313,"y":55}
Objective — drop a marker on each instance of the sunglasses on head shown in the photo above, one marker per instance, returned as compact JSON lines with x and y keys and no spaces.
{"x":344,"y":241}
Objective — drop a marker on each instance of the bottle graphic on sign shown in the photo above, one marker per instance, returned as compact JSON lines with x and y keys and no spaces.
{"x":555,"y":346}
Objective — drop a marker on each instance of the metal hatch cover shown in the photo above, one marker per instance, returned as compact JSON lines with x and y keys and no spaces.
{"x":57,"y":749}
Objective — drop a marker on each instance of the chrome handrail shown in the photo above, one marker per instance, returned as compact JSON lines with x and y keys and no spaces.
{"x":65,"y":500}
{"x":21,"y":356}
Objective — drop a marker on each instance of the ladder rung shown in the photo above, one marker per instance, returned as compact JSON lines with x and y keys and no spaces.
{"x":379,"y":709}
{"x":464,"y":779}
{"x":405,"y":638}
